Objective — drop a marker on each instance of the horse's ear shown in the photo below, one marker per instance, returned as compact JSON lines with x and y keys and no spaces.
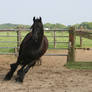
{"x":40,"y":19}
{"x":33,"y":18}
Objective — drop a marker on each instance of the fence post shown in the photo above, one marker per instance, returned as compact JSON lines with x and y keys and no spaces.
{"x":71,"y":48}
{"x":81,"y":28}
{"x":80,"y":41}
{"x":54,"y":39}
{"x":18,"y":39}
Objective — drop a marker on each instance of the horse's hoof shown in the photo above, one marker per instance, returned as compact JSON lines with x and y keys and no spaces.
{"x":19,"y":80}
{"x":7,"y":78}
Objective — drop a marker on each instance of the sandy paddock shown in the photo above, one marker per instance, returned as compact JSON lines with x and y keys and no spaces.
{"x":51,"y":76}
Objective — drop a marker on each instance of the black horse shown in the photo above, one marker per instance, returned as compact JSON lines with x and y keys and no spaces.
{"x":34,"y":45}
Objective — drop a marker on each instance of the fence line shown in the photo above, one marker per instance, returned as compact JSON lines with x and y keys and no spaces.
{"x":19,"y":37}
{"x":70,"y":47}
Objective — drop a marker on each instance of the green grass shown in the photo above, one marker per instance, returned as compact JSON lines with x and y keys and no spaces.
{"x":79,"y":65}
{"x":86,"y":42}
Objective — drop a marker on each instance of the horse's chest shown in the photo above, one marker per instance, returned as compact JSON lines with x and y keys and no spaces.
{"x":32,"y":50}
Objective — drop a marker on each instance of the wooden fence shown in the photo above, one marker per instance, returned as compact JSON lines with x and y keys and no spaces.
{"x":83,"y":33}
{"x":70,"y":47}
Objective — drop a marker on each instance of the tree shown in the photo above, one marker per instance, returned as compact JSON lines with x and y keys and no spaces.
{"x":54,"y":26}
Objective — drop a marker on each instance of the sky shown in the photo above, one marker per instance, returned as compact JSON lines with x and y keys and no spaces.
{"x":67,"y":12}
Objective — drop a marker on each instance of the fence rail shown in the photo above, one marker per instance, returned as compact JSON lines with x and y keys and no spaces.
{"x":85,"y":34}
{"x":10,"y":30}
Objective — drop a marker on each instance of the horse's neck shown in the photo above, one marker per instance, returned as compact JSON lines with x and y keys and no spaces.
{"x":41,"y":36}
{"x":39,"y":42}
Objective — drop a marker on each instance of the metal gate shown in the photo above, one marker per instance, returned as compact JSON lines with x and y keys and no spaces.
{"x":10,"y":40}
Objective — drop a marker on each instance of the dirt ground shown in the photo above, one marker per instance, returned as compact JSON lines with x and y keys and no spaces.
{"x":51,"y":76}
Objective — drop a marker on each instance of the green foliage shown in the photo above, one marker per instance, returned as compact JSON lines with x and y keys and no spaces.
{"x":87,"y":25}
{"x":54,"y":26}
{"x":8,"y":26}
{"x":13,"y":26}
{"x":47,"y":25}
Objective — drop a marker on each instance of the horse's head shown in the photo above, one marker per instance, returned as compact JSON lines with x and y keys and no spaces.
{"x":37,"y":29}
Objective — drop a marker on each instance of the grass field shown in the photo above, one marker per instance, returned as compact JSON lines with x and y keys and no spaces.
{"x":86,"y":42}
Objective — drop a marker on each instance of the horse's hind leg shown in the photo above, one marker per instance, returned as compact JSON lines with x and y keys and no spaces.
{"x":39,"y":62}
{"x":11,"y":72}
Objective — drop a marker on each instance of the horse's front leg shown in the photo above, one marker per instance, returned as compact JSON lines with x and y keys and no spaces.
{"x":22,"y":72}
{"x":11,"y":72}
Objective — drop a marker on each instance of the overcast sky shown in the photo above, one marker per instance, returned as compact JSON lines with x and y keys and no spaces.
{"x":54,"y":11}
